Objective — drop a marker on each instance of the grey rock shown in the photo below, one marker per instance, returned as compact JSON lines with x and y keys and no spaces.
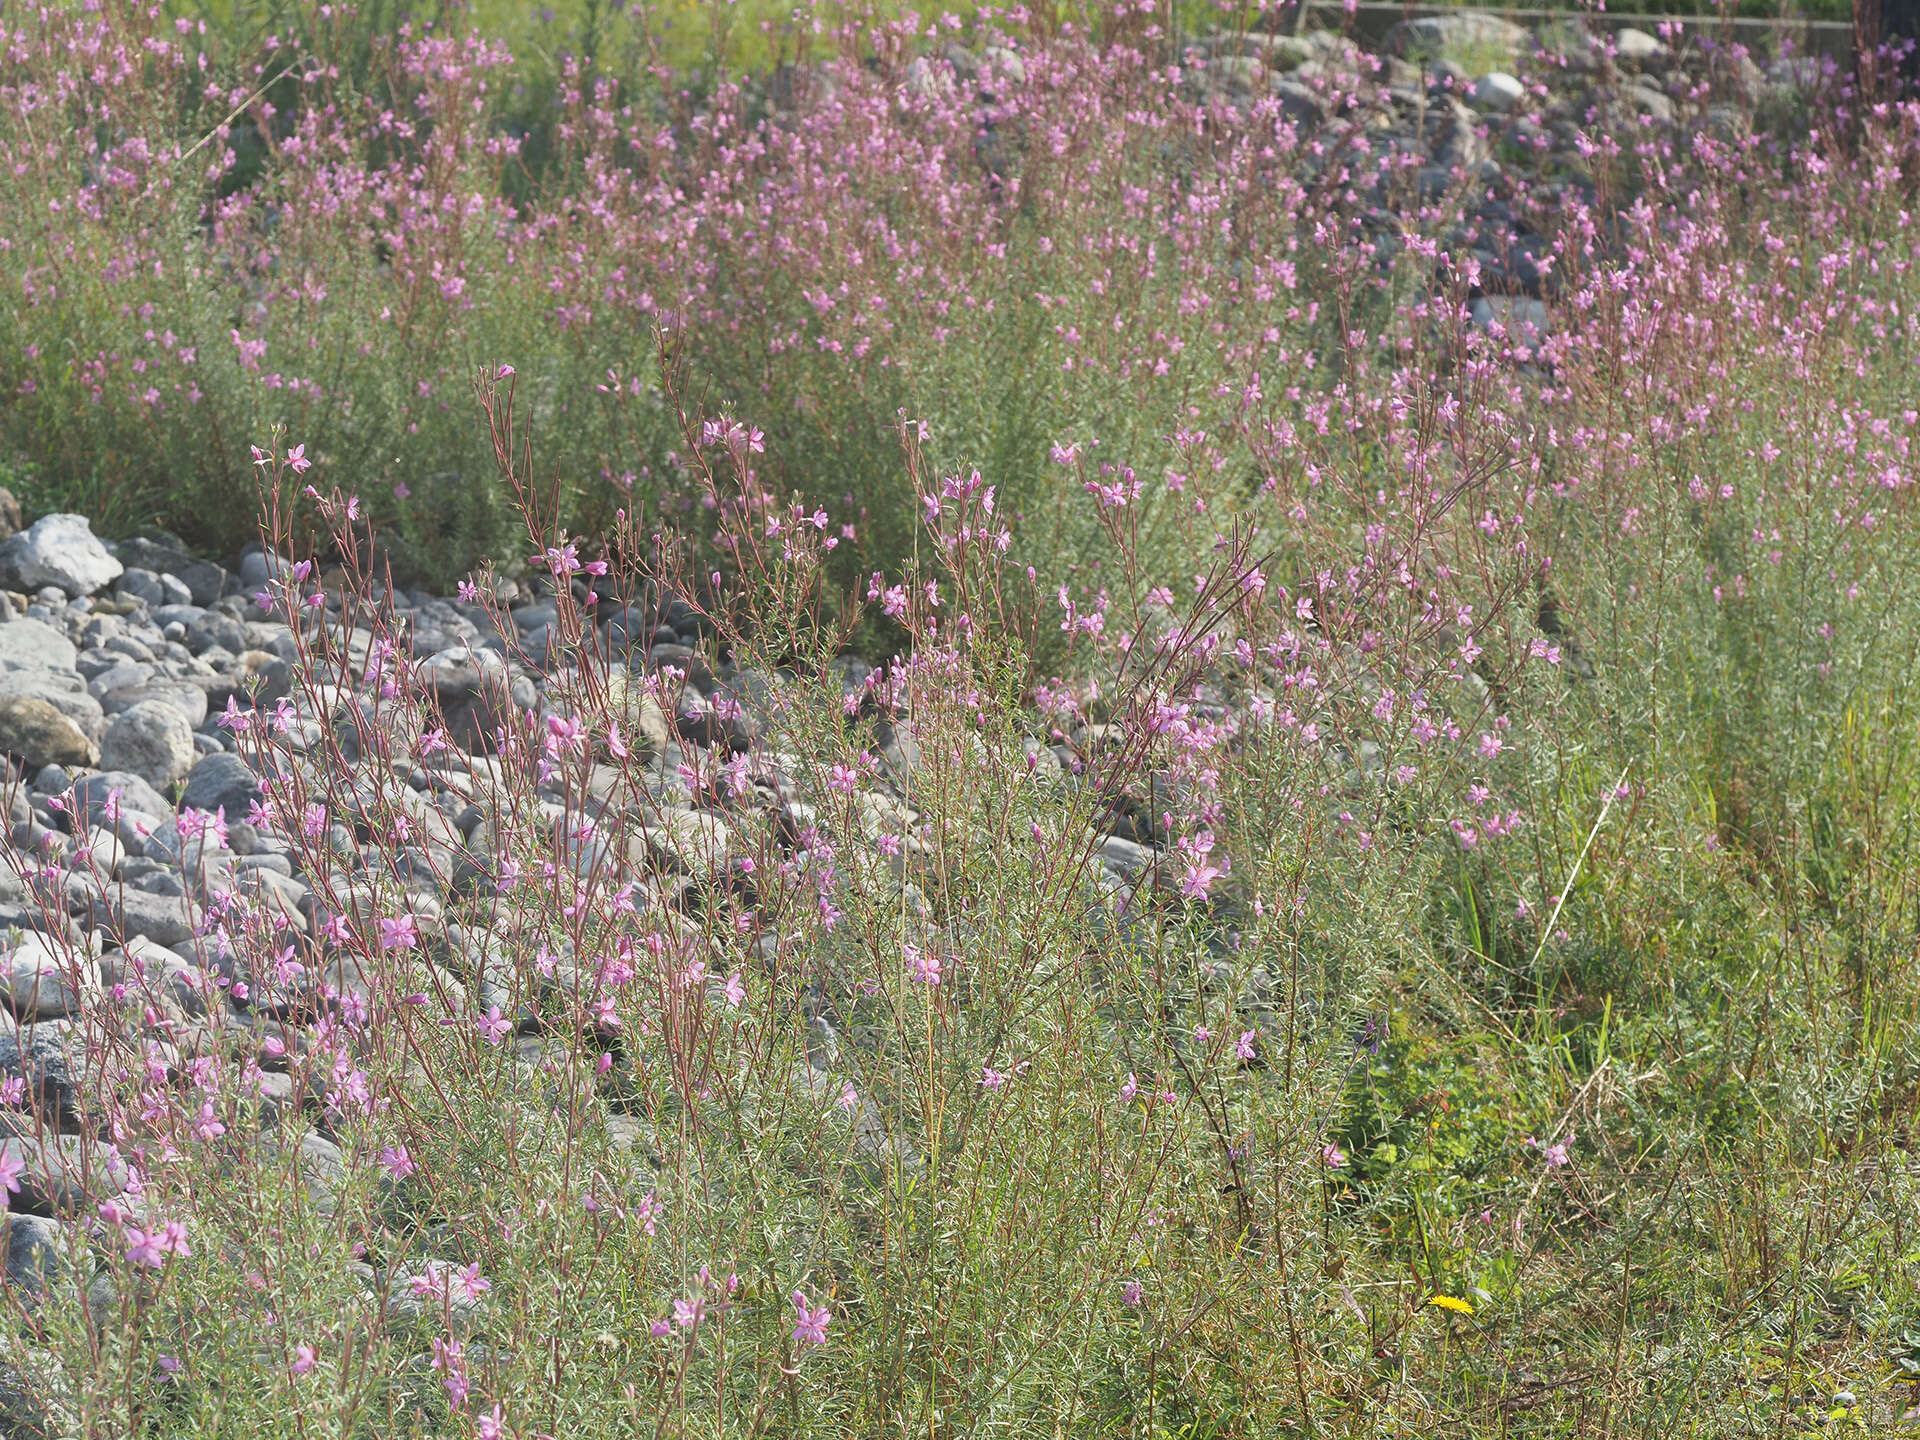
{"x":214,"y":630}
{"x":61,"y":688}
{"x":1646,"y":100}
{"x":1522,"y":322}
{"x":52,"y":1060}
{"x":189,"y":700}
{"x":203,"y":581}
{"x":183,"y":615}
{"x":143,"y":585}
{"x":34,"y":645}
{"x":323,"y":1168}
{"x":129,"y":913}
{"x":63,"y":1174}
{"x":222,"y":782}
{"x":1126,"y":858}
{"x":40,"y":980}
{"x":257,"y":567}
{"x":125,"y":791}
{"x":118,"y":673}
{"x":1496,"y":93}
{"x":1472,"y":30}
{"x":1637,"y":46}
{"x":40,"y":1253}
{"x":58,"y":550}
{"x":152,"y":740}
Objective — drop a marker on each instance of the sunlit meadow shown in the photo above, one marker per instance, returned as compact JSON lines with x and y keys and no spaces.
{"x":1236,"y":847}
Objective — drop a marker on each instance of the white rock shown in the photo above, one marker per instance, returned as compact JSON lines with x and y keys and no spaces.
{"x":58,"y":550}
{"x":1637,"y":45}
{"x":1496,"y":92}
{"x":151,"y":739}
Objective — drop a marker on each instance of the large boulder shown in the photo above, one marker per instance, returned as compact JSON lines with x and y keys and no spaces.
{"x":120,"y":790}
{"x":37,"y":662}
{"x":1469,"y":33}
{"x":38,"y":732}
{"x":31,"y":645}
{"x":53,"y":1062}
{"x":222,"y":781}
{"x":58,"y":550}
{"x":152,"y":740}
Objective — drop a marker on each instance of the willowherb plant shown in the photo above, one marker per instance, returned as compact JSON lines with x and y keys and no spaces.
{"x":671,"y":1016}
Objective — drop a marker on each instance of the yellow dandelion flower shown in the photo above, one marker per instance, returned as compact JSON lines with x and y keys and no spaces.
{"x":1451,"y":1302}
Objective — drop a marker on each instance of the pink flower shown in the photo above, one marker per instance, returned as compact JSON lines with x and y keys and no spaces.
{"x":564,"y":736}
{"x":144,"y":1249}
{"x":472,"y":1283}
{"x":1244,"y":1047}
{"x":303,"y":1359}
{"x":449,"y":1358}
{"x":11,"y":1168}
{"x":1333,"y":1156}
{"x":735,"y":992}
{"x":811,"y":1327}
{"x":297,"y":458}
{"x":395,"y":1160}
{"x":1556,"y":1154}
{"x":925,"y":964}
{"x":397,"y":933}
{"x":494,"y":1027}
{"x":1131,"y":1294}
{"x":491,"y":1426}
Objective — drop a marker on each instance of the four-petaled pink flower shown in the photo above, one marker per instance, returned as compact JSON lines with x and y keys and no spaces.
{"x":1556,"y":1154}
{"x":303,"y":1359}
{"x":472,"y":1283}
{"x":297,"y":458}
{"x":151,"y":1247}
{"x":395,"y":1160}
{"x":398,"y":933}
{"x":925,"y":964}
{"x":495,"y":1027}
{"x":811,"y":1326}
